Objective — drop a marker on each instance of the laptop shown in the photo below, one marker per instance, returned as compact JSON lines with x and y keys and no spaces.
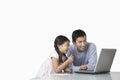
{"x":104,"y":62}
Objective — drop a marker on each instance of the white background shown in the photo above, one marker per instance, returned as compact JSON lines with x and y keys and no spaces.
{"x":29,"y":27}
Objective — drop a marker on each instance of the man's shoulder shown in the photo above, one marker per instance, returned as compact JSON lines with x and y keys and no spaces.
{"x":91,"y":49}
{"x":91,"y":46}
{"x":72,"y":46}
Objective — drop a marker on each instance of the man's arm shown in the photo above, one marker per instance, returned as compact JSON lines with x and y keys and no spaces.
{"x":92,"y":58}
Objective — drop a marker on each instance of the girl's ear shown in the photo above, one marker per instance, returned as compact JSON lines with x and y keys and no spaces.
{"x":59,"y":46}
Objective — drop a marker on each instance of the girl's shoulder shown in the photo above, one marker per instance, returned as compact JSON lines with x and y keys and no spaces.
{"x":54,"y":54}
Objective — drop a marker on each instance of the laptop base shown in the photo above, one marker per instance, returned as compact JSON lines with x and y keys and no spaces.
{"x":91,"y":72}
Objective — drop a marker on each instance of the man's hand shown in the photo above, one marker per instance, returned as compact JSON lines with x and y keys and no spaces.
{"x":83,"y":67}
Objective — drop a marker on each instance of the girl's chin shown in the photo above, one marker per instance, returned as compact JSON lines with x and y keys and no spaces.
{"x":65,"y":52}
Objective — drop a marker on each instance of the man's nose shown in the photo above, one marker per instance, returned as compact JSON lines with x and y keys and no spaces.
{"x":83,"y":44}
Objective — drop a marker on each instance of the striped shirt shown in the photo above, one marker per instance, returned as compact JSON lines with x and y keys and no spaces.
{"x":87,"y":57}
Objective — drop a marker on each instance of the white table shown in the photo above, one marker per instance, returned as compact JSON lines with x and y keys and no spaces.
{"x":79,"y":76}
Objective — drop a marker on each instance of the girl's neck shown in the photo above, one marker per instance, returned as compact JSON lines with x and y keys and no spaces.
{"x":61,"y":54}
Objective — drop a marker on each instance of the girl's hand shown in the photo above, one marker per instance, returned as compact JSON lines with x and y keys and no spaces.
{"x":70,"y":58}
{"x":69,"y":70}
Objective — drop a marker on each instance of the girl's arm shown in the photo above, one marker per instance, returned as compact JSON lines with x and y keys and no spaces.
{"x":58,"y":68}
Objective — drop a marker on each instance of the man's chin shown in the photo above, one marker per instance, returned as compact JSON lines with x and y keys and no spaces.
{"x":81,"y":49}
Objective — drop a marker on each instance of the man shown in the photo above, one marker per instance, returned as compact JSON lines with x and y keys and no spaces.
{"x":85,"y":54}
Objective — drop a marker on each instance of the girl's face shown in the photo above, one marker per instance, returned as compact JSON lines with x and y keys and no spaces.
{"x":64,"y":47}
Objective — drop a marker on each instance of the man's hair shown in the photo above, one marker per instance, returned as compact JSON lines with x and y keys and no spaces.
{"x":78,"y":33}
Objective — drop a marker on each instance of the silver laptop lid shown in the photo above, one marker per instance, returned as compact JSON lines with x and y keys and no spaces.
{"x":105,"y":60}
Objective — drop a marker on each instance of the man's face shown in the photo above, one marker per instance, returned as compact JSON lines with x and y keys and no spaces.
{"x":80,"y":43}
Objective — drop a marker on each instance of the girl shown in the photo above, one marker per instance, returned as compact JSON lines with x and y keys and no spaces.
{"x":57,"y":61}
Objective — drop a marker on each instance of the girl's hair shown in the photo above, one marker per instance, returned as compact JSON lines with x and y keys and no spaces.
{"x":59,"y":40}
